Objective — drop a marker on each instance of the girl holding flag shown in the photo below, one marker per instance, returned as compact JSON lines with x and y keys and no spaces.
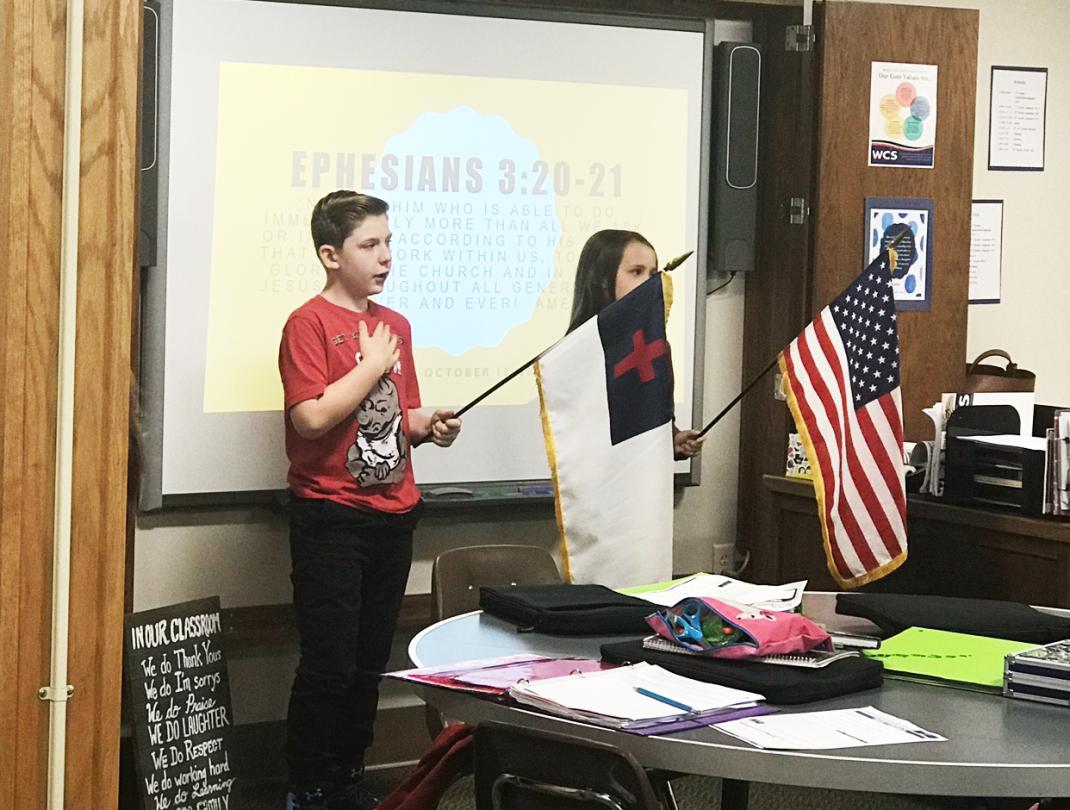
{"x":612,"y":264}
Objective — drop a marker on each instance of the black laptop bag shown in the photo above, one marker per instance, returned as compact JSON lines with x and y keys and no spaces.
{"x":780,"y":684}
{"x":895,"y":612}
{"x":567,"y":610}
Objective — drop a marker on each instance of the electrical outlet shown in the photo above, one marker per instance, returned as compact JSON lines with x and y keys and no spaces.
{"x":724,"y":558}
{"x":779,"y":391}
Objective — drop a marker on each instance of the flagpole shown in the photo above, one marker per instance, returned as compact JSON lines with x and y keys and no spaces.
{"x":670,"y":265}
{"x":889,"y":247}
{"x":739,"y":396}
{"x":502,"y":382}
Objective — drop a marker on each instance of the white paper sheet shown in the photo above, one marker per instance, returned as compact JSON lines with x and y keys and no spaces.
{"x":1011,"y":440}
{"x":1017,"y":118}
{"x":767,"y":597}
{"x":986,"y":251}
{"x":612,"y":693}
{"x":841,"y":728}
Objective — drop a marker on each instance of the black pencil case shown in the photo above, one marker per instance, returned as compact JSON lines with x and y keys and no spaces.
{"x":895,"y":612}
{"x":567,"y":610}
{"x":780,"y":684}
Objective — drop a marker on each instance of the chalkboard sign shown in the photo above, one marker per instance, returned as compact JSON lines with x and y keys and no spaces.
{"x":180,"y":699}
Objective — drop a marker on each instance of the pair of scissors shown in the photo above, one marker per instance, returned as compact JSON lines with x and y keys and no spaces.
{"x":686,"y":625}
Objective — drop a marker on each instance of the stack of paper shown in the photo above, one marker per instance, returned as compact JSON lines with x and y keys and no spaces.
{"x":631,"y":696}
{"x":1057,"y":500}
{"x":766,"y":597}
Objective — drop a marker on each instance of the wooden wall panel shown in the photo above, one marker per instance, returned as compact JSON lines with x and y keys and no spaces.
{"x":32,"y":80}
{"x":106,"y":267}
{"x":932,"y":344}
{"x":31,"y":159}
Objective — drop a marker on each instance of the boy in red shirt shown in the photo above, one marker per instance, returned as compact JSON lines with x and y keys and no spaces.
{"x":351,"y":400}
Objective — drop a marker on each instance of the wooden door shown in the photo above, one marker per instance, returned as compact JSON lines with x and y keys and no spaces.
{"x":785,"y":293}
{"x":31,"y":163}
{"x":932,"y":343}
{"x":32,"y":108}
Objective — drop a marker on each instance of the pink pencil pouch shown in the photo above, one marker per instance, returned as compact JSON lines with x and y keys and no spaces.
{"x":725,"y":630}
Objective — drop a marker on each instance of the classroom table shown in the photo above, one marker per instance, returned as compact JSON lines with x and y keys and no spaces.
{"x":996,"y":746}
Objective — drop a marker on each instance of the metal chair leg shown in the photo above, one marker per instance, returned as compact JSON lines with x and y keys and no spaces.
{"x":666,"y":795}
{"x":734,"y":794}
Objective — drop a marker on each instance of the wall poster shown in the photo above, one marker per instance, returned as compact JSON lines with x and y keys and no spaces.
{"x":911,"y":217}
{"x":902,"y":115}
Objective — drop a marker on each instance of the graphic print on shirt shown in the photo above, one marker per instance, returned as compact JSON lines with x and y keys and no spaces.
{"x":379,"y":455}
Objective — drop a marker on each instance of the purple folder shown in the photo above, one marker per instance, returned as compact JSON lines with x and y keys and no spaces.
{"x":708,"y":719}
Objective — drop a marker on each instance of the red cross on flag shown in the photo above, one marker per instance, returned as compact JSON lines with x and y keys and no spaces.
{"x":642,"y":357}
{"x":606,"y":397}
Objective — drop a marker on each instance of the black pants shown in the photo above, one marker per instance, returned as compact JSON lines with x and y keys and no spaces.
{"x":349,"y":574}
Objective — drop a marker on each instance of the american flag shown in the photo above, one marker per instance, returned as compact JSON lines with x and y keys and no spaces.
{"x":842,"y":380}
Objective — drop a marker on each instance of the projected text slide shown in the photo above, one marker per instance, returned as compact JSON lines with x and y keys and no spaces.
{"x":494,"y":185}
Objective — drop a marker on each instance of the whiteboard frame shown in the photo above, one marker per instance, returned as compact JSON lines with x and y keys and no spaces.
{"x":151,"y":371}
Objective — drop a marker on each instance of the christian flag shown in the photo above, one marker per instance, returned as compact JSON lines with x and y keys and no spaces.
{"x":606,"y":396}
{"x":842,"y":376}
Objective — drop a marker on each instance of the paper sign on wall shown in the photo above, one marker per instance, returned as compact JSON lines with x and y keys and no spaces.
{"x":902,"y":115}
{"x":986,"y":251}
{"x":1017,"y":118}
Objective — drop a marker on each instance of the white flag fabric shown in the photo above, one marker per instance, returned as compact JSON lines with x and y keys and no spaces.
{"x":606,"y":398}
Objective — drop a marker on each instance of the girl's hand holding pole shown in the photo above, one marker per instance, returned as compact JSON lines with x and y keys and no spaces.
{"x":686,"y":443}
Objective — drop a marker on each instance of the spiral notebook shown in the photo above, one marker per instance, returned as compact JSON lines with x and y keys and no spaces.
{"x":812,"y":659}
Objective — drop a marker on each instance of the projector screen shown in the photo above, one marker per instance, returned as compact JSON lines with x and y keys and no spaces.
{"x":500,"y":144}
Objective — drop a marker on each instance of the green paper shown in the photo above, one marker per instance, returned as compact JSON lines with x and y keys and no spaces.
{"x":941,"y":655}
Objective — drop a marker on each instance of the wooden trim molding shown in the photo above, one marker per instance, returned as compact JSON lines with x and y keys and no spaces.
{"x":32,"y":67}
{"x":32,"y":59}
{"x":107,"y":241}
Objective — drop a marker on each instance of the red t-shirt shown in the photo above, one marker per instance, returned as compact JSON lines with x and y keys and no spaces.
{"x":364,"y":461}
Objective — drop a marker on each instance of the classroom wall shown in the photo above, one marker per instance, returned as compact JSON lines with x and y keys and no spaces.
{"x":1030,"y":321}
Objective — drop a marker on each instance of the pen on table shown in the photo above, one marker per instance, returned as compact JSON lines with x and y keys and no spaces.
{"x":668,"y":701}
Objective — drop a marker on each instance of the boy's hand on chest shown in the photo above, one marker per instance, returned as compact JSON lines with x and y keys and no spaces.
{"x":381,"y":347}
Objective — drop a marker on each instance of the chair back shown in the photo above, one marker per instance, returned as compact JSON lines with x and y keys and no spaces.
{"x":457,"y":575}
{"x":525,"y":769}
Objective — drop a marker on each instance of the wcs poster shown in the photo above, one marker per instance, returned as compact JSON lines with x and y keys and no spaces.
{"x":902,"y":115}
